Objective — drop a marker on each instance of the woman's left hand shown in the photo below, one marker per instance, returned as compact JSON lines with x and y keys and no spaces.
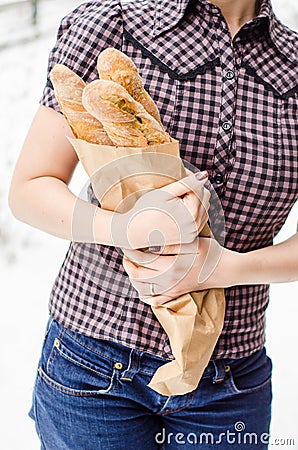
{"x":159,"y":278}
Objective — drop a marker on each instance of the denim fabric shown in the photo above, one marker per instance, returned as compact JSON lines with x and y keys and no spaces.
{"x":92,"y":394}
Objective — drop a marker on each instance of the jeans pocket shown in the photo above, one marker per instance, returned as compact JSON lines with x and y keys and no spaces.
{"x":249,"y":390}
{"x":73,"y":369}
{"x":252,"y":375}
{"x":32,"y":412}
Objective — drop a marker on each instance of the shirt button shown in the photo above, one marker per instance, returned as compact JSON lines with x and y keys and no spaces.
{"x":230,"y":74}
{"x":219,"y":178}
{"x":226,"y":126}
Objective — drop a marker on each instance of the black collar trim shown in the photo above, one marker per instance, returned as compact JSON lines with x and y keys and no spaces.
{"x":164,"y":68}
{"x":269,"y":86}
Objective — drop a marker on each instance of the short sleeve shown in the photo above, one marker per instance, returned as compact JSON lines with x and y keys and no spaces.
{"x":81,"y":36}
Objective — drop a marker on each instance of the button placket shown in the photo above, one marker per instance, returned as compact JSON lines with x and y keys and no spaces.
{"x":226,"y":119}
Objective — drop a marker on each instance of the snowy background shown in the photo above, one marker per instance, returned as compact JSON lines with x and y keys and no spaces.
{"x":29,"y":259}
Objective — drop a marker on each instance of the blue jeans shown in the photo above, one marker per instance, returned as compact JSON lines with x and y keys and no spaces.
{"x":92,"y":394}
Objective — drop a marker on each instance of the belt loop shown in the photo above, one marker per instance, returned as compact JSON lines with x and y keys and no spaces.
{"x":133,"y":365}
{"x":220,"y":371}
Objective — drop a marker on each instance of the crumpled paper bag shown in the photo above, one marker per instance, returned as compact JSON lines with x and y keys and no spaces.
{"x":193,"y":322}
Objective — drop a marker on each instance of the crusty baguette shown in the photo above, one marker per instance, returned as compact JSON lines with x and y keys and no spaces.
{"x":68,"y":88}
{"x":115,"y":66}
{"x":127,"y":123}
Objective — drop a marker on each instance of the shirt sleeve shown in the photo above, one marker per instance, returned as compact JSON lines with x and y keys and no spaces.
{"x":81,"y":36}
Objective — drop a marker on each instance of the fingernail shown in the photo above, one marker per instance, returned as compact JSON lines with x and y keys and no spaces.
{"x":154,"y":249}
{"x":201,"y":175}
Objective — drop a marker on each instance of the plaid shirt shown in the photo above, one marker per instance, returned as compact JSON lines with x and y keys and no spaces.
{"x":233,"y":105}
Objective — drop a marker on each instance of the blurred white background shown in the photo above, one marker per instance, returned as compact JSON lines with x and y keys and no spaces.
{"x":29,"y":259}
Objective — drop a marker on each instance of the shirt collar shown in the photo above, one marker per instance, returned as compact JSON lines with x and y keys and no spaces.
{"x":169,"y":12}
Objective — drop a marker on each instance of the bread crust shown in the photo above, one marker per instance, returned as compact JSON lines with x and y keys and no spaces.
{"x":68,"y":88}
{"x":125,"y":120}
{"x":114,"y":65}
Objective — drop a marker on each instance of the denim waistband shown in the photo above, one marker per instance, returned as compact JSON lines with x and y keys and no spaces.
{"x":137,"y":360}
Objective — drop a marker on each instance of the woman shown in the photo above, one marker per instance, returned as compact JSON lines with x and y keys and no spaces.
{"x":224,"y":76}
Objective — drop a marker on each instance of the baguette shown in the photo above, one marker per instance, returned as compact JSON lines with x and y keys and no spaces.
{"x":126,"y":121}
{"x":68,"y":88}
{"x":115,"y":66}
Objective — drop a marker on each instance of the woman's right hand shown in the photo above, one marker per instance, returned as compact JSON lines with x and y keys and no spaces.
{"x":174,"y":214}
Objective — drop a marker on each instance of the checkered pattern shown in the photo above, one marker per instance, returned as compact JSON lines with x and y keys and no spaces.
{"x":183,"y":51}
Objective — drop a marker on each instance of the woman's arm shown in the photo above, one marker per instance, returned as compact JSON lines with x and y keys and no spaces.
{"x":39,"y":193}
{"x":39,"y":196}
{"x":275,"y":264}
{"x":205,"y":264}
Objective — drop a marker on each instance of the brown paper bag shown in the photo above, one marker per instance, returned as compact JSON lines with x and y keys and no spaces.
{"x":193,"y":322}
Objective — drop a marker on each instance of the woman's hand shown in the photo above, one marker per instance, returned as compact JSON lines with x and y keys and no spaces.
{"x":158,"y":278}
{"x":170,"y":215}
{"x":204,"y":264}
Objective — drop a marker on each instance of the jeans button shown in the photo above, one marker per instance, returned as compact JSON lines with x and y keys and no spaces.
{"x":219,"y":178}
{"x":118,"y":365}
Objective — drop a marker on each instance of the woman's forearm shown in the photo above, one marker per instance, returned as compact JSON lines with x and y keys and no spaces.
{"x":274,"y":264}
{"x":39,"y":193}
{"x":47,"y":203}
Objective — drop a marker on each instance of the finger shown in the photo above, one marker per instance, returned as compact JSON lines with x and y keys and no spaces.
{"x":155,"y":301}
{"x":144,"y":288}
{"x":198,"y":209}
{"x":177,"y":249}
{"x":192,"y":200}
{"x":146,"y":260}
{"x":206,"y":199}
{"x":192,"y":203}
{"x":136,"y":272}
{"x":139,"y":257}
{"x":187,"y":171}
{"x":202,"y":220}
{"x":159,"y":300}
{"x":166,"y":250}
{"x":205,"y":205}
{"x":191,"y":183}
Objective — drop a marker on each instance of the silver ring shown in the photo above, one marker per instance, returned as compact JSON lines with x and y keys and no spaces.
{"x":152,"y":289}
